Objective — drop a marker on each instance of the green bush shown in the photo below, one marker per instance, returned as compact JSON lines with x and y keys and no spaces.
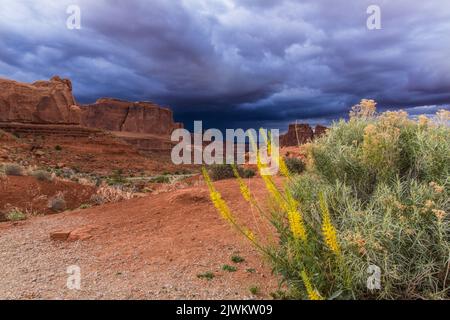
{"x":160,"y":179}
{"x":225,"y":171}
{"x":42,"y":175}
{"x":383,"y":182}
{"x":294,"y":165}
{"x":15,"y":215}
{"x":228,"y":268}
{"x":12,"y":169}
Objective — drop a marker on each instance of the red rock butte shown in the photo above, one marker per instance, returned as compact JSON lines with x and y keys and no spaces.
{"x":145,"y":125}
{"x":301,"y":133}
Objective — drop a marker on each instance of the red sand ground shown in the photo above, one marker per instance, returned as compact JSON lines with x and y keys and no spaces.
{"x":29,"y":194}
{"x":147,"y":248}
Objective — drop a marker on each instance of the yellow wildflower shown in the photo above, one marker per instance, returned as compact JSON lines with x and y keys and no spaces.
{"x":217,"y":200}
{"x":283,"y":168}
{"x":440,"y":214}
{"x":437,"y":188}
{"x":328,"y":230}
{"x":429,"y":204}
{"x":423,"y":120}
{"x":297,"y":225}
{"x":250,"y":235}
{"x":365,"y":109}
{"x":313,"y":294}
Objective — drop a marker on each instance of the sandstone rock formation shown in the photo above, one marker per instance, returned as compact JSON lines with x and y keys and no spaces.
{"x":119,"y":115}
{"x":49,"y":108}
{"x":300,"y":134}
{"x":39,"y":102}
{"x":320,"y":131}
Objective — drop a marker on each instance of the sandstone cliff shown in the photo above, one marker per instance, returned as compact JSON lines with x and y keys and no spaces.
{"x":119,"y":115}
{"x":300,"y":134}
{"x":39,"y":102}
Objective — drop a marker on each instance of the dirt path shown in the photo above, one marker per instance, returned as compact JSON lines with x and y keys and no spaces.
{"x":146,"y":248}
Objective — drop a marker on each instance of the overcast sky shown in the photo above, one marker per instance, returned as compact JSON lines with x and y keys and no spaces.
{"x":236,"y":63}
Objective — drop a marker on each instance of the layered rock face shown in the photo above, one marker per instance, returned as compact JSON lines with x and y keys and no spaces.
{"x":41,"y":102}
{"x":119,"y":115}
{"x":320,"y":131}
{"x":300,"y":134}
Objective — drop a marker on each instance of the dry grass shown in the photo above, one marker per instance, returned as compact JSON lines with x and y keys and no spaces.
{"x":110,"y":194}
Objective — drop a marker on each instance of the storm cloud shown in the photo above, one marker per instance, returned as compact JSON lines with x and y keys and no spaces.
{"x":233,"y":63}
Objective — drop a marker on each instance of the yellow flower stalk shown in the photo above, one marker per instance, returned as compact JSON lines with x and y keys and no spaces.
{"x":328,"y":230}
{"x":225,"y":211}
{"x":217,"y":200}
{"x":268,"y":181}
{"x":297,"y":225}
{"x":250,"y":235}
{"x":245,"y":191}
{"x":312,"y":293}
{"x":288,"y":204}
{"x":283,"y":168}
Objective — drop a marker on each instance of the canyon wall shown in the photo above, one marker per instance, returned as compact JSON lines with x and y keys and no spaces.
{"x":40,"y":102}
{"x":52,"y":102}
{"x":119,"y":115}
{"x":301,"y":133}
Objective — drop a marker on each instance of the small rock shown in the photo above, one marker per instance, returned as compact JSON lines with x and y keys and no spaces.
{"x":82,"y":233}
{"x":59,"y":235}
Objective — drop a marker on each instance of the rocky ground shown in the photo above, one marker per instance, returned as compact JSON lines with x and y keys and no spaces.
{"x":147,"y":248}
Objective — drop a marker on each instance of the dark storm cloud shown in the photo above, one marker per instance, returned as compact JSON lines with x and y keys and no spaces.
{"x":236,"y":63}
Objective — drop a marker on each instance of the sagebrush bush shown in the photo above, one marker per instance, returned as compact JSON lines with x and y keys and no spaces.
{"x":225,"y":171}
{"x":375,"y":196}
{"x":294,"y":165}
{"x":42,"y":175}
{"x":57,"y":203}
{"x":13,"y":169}
{"x":385,"y":181}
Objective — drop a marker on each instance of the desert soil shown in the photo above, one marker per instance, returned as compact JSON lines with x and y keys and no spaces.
{"x":146,"y":248}
{"x":32,"y":196}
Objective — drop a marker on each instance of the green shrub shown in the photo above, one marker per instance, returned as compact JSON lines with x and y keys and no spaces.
{"x":384,"y":183}
{"x":237,"y":259}
{"x":294,"y":165}
{"x":58,"y":148}
{"x":225,"y":171}
{"x":254,"y":290}
{"x":229,"y":268}
{"x":15,"y":215}
{"x":116,"y":178}
{"x":12,"y":169}
{"x":247,"y":173}
{"x":206,"y":275}
{"x":160,"y":179}
{"x":42,"y":175}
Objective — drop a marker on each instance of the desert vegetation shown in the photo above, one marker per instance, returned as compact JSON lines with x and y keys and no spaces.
{"x":374,"y":196}
{"x":225,"y":171}
{"x":13,"y":169}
